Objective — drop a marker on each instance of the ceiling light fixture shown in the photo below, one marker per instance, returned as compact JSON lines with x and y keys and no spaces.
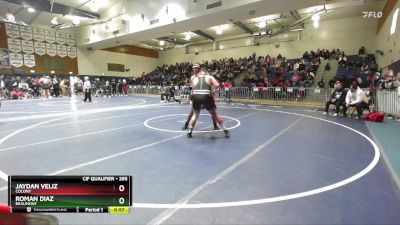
{"x":125,"y":17}
{"x":316,"y":24}
{"x":298,"y":29}
{"x":394,"y":21}
{"x":93,"y":6}
{"x":54,"y":21}
{"x":188,"y":36}
{"x":31,"y":10}
{"x":76,"y":21}
{"x":315,"y":17}
{"x":261,"y":24}
{"x":219,"y":30}
{"x":10,"y":17}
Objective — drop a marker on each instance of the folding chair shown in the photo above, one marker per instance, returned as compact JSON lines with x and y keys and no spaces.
{"x":368,"y":107}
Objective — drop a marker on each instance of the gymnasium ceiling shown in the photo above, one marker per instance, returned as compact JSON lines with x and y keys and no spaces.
{"x":240,"y":20}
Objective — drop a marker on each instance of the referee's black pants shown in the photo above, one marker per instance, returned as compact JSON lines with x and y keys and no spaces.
{"x":88,"y":95}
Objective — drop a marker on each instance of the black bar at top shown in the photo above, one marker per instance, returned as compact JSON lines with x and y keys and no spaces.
{"x":71,"y":179}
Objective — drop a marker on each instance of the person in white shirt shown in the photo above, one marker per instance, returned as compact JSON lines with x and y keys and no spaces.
{"x":2,"y":85}
{"x":86,"y":89}
{"x":397,"y":83}
{"x":356,"y":97}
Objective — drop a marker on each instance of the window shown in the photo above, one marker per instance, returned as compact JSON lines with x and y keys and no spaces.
{"x":394,"y":21}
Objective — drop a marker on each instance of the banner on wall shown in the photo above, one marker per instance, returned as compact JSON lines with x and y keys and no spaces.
{"x":29,"y":60}
{"x":71,"y":52}
{"x":40,"y":48}
{"x":5,"y":58}
{"x":70,"y":39}
{"x":38,"y":34}
{"x":51,"y":49}
{"x":26,"y":32}
{"x":27,"y":47}
{"x":61,"y":50}
{"x":60,"y":38}
{"x":16,"y":59}
{"x":14,"y":45}
{"x":12,"y":30}
{"x":50,"y":36}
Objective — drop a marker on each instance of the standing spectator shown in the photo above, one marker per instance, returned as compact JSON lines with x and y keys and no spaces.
{"x":397,"y":115}
{"x":63,"y":88}
{"x":357,"y":98}
{"x":35,"y":88}
{"x":119,"y":87}
{"x":56,"y":87}
{"x":114,"y":87}
{"x":124,"y":87}
{"x":1,"y":88}
{"x":338,"y":98}
{"x":107,"y":89}
{"x":87,"y":90}
{"x":45,"y":83}
{"x":227,"y":85}
{"x":78,"y":86}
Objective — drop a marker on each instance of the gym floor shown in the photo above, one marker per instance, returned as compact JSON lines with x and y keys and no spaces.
{"x":282,"y":165}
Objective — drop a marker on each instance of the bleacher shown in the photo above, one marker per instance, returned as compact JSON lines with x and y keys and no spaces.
{"x":345,"y":72}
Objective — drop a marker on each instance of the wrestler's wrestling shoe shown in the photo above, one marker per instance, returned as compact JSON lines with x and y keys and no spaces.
{"x":227,"y":133}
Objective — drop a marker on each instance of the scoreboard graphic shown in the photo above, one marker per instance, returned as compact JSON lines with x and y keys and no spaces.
{"x":70,"y":194}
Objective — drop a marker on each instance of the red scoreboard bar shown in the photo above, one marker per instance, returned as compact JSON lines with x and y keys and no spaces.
{"x":64,"y":194}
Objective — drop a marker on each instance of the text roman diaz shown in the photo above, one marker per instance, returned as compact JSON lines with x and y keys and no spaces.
{"x":32,"y":200}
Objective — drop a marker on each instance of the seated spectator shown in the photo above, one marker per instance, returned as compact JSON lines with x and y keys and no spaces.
{"x":327,"y":55}
{"x":389,"y":81}
{"x":309,"y":80}
{"x":356,"y":97}
{"x":350,"y":65}
{"x":331,"y":82}
{"x":365,"y":68}
{"x":338,"y":98}
{"x":342,"y":61}
{"x":321,"y":83}
{"x":306,"y":56}
{"x":373,"y":80}
{"x":295,"y":80}
{"x":361,"y":51}
{"x":358,"y":65}
{"x":277,"y":82}
{"x":296,"y":65}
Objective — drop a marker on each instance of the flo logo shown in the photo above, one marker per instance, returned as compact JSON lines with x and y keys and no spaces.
{"x":372,"y":14}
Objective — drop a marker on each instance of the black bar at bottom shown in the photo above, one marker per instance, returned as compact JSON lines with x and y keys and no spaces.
{"x":60,"y":209}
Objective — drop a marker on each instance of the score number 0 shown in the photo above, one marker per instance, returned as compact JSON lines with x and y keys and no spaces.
{"x":121,"y":188}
